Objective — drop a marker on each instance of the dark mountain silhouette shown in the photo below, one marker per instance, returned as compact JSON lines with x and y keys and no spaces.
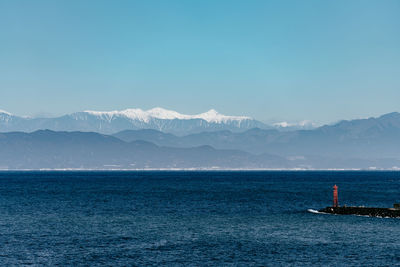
{"x":48,"y":149}
{"x":362,"y":143}
{"x":373,"y":138}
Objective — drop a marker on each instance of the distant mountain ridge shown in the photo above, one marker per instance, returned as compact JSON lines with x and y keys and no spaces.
{"x":47,"y":149}
{"x":373,"y":138}
{"x":363,"y":132}
{"x":362,"y":143}
{"x":133,"y":119}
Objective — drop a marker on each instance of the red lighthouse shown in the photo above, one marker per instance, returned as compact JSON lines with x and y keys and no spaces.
{"x":335,"y":196}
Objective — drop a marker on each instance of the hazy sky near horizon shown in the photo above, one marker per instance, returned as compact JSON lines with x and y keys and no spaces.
{"x":272,"y":60}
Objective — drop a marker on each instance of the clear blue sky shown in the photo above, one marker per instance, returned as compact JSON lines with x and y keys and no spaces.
{"x":284,"y":60}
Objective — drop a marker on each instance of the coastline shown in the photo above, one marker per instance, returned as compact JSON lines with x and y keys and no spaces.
{"x":203,"y":169}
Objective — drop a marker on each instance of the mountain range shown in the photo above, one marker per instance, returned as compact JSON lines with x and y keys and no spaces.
{"x":108,"y":122}
{"x":45,"y":149}
{"x":362,"y":138}
{"x":361,"y":143}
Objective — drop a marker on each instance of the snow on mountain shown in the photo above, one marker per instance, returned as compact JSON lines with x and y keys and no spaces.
{"x":211,"y":116}
{"x":305,"y":125}
{"x":5,"y":116}
{"x":131,"y":119}
{"x":5,"y":112}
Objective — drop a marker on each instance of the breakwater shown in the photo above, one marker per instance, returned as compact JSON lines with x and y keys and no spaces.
{"x":366,"y":211}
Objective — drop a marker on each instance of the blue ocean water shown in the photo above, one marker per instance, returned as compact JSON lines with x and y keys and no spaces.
{"x":195,"y":218}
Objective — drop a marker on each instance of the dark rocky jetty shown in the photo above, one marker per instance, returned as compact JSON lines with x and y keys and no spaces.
{"x":363,"y":211}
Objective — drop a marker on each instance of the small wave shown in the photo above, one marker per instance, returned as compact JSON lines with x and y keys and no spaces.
{"x":158,"y":244}
{"x":316,"y":211}
{"x":313,"y":211}
{"x":370,"y":216}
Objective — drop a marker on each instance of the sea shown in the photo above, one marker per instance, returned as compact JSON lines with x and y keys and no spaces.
{"x":195,"y":218}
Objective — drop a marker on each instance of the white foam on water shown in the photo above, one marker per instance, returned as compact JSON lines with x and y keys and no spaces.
{"x":316,"y":211}
{"x":319,"y":212}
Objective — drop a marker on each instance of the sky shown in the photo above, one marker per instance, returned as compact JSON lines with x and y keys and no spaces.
{"x":272,"y":60}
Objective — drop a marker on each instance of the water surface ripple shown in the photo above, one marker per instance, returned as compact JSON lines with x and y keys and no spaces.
{"x":195,"y":218}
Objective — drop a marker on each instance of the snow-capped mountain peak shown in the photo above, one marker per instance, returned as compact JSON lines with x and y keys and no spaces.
{"x":109,"y":122}
{"x":5,"y":112}
{"x":160,"y":113}
{"x":305,"y":124}
{"x":213,"y":116}
{"x":165,"y":114}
